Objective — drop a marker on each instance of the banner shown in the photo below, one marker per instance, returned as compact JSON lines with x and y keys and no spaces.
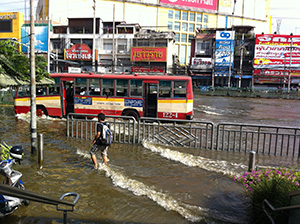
{"x":79,"y":52}
{"x":224,"y":52}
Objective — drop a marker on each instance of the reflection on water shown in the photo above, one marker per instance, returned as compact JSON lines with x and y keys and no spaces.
{"x":146,"y":183}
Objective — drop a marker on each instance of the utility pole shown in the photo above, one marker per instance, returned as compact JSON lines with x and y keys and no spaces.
{"x":113,"y":41}
{"x":241,"y":61}
{"x":230,"y":56}
{"x":94,"y":34}
{"x":33,"y":130}
{"x":291,"y":51}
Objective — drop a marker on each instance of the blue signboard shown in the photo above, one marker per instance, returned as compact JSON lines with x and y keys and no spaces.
{"x":224,"y":52}
{"x":83,"y":101}
{"x":40,"y":38}
{"x":133,"y":103}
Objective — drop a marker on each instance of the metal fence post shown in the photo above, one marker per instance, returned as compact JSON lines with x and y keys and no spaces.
{"x":251,"y":161}
{"x":41,"y":150}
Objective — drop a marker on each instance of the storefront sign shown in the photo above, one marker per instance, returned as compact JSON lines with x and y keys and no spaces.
{"x":201,"y":63}
{"x":201,"y":4}
{"x":79,"y":52}
{"x":154,"y":54}
{"x":8,"y":16}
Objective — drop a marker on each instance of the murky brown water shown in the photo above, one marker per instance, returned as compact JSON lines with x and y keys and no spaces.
{"x":144,"y":183}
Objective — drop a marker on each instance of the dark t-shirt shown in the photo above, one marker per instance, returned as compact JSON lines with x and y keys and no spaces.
{"x":99,"y":129}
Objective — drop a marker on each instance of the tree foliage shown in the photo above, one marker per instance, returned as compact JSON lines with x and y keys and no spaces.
{"x":16,"y":64}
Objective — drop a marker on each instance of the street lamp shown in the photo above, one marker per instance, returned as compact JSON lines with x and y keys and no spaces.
{"x":15,"y":40}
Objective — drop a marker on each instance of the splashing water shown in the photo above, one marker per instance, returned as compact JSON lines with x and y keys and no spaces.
{"x":224,"y":167}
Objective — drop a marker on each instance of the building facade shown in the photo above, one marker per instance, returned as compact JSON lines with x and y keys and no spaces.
{"x":182,"y":17}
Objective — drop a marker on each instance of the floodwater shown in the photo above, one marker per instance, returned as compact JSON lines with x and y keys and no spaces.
{"x":145,"y":183}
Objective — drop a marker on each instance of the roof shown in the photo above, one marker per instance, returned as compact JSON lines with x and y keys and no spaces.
{"x":7,"y":80}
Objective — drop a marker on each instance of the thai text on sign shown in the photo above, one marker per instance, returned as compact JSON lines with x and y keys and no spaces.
{"x":79,"y":52}
{"x":154,"y":54}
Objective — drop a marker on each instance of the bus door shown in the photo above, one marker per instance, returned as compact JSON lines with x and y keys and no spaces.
{"x":150,"y":99}
{"x":67,"y":96}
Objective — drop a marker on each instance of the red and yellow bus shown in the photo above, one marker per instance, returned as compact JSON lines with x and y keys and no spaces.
{"x":137,"y":95}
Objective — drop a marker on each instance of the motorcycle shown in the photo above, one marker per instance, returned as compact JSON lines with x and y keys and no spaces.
{"x":12,"y":177}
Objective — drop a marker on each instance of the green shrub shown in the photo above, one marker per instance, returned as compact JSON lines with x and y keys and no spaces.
{"x":273,"y":185}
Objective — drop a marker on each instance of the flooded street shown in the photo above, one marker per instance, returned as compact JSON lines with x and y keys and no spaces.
{"x":145,"y":183}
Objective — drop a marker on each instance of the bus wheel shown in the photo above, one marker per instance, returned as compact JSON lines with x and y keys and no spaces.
{"x":132,"y":114}
{"x":40,"y":111}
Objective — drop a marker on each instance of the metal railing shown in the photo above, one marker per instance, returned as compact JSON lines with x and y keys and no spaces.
{"x":263,"y":139}
{"x":31,"y":196}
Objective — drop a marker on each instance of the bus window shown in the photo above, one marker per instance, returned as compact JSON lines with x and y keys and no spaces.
{"x":24,"y":91}
{"x":179,"y":89}
{"x":136,"y":88}
{"x":122,"y":87}
{"x":108,"y":87}
{"x":80,"y":86}
{"x":54,"y":90}
{"x":94,"y":87}
{"x":41,"y":91}
{"x":165,"y":89}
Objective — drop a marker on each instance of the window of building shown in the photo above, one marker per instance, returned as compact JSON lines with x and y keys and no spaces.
{"x":184,"y":16}
{"x":199,"y":18}
{"x":170,"y":25}
{"x":182,"y":54}
{"x":6,"y":26}
{"x":203,"y":46}
{"x":177,"y":26}
{"x":107,"y":46}
{"x":192,"y":16}
{"x":176,"y":37}
{"x":136,"y":88}
{"x":170,"y":14}
{"x":177,"y":15}
{"x":190,"y":38}
{"x":198,"y":26}
{"x":191,"y":27}
{"x":184,"y":26}
{"x":205,"y":18}
{"x":122,"y":46}
{"x":183,"y":38}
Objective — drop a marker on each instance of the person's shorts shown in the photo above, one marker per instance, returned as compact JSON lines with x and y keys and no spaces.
{"x":95,"y":148}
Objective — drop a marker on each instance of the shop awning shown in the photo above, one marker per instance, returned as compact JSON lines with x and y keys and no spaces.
{"x":7,"y":80}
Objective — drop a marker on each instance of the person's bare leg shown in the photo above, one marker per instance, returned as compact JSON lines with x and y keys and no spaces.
{"x":94,"y":159}
{"x":105,"y":160}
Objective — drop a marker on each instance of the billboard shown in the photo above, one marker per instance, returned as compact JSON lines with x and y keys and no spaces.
{"x":275,"y":53}
{"x":152,"y":54}
{"x":201,"y":4}
{"x":224,"y":52}
{"x":40,"y":38}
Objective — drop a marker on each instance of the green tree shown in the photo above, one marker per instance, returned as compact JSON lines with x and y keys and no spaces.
{"x":16,"y":64}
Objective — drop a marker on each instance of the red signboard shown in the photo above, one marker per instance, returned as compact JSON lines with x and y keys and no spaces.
{"x":151,"y":69}
{"x":79,"y":52}
{"x":154,"y":54}
{"x":201,"y":4}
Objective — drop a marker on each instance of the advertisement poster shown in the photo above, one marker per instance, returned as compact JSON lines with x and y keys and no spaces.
{"x":224,"y":52}
{"x":276,"y":53}
{"x":40,"y":38}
